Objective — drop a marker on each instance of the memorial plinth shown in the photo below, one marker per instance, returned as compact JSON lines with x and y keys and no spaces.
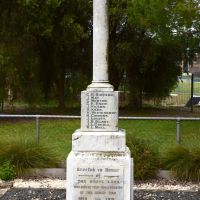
{"x":99,"y":167}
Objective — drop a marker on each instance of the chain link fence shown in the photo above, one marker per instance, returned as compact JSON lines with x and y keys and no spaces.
{"x":186,"y":94}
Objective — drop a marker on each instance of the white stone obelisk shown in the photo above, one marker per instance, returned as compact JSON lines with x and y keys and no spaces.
{"x":99,"y":167}
{"x":100,"y":45}
{"x":100,"y":41}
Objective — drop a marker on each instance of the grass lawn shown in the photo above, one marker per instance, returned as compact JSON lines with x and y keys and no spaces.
{"x":57,"y":133}
{"x":162,"y":134}
{"x":185,"y":88}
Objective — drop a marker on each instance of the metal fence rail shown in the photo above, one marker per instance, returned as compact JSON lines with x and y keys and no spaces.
{"x":37,"y":120}
{"x":177,"y":119}
{"x":38,"y":117}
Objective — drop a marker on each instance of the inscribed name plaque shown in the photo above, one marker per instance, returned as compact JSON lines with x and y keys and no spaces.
{"x":98,"y":182}
{"x":99,"y":111}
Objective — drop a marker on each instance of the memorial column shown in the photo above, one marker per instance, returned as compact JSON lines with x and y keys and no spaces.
{"x":100,"y":41}
{"x":100,"y":166}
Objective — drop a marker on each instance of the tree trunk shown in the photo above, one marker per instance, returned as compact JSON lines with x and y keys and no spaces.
{"x":135,"y":101}
{"x":136,"y":95}
{"x":141,"y":98}
{"x":61,"y":90}
{"x":2,"y":106}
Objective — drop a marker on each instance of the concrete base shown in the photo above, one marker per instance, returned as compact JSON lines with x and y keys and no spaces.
{"x":165,"y":174}
{"x":99,"y":141}
{"x":102,"y":174}
{"x":46,"y":173}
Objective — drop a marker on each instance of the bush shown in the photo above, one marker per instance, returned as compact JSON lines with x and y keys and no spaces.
{"x":146,"y":159}
{"x":184,"y":163}
{"x":23,"y":153}
{"x":7,"y":171}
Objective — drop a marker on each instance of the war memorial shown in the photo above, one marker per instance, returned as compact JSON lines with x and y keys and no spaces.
{"x":99,"y":166}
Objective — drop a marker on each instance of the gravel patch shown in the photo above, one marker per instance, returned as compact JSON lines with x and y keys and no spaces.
{"x":51,"y":194}
{"x":34,"y":194}
{"x":161,"y":184}
{"x":48,"y":189}
{"x":40,"y":183}
{"x":166,"y":195}
{"x":167,"y":185}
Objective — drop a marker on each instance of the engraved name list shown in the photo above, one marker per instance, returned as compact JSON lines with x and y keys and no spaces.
{"x":99,"y":111}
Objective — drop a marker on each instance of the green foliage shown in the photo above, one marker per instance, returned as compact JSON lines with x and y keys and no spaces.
{"x":7,"y":171}
{"x":47,"y":39}
{"x":23,"y":153}
{"x":146,"y":162}
{"x":148,"y":39}
{"x":184,"y":163}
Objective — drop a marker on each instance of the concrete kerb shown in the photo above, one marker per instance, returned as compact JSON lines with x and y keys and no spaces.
{"x":5,"y":186}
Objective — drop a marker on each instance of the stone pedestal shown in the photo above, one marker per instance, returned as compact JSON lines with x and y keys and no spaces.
{"x":99,"y":166}
{"x":99,"y":176}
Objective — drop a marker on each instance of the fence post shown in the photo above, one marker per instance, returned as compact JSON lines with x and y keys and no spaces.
{"x":37,"y":129}
{"x":192,"y":91}
{"x":178,"y":131}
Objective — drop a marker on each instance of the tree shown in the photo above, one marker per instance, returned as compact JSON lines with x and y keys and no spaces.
{"x":147,"y":41}
{"x":50,"y":39}
{"x":56,"y":34}
{"x":2,"y":82}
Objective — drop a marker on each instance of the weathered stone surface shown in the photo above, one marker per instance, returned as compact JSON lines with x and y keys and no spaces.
{"x":46,"y":173}
{"x":5,"y":184}
{"x":99,"y":175}
{"x":99,"y":111}
{"x":95,"y":141}
{"x":99,"y":166}
{"x":100,"y":41}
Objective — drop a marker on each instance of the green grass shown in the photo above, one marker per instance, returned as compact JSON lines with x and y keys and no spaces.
{"x":185,"y":88}
{"x":57,"y":133}
{"x":160,"y":134}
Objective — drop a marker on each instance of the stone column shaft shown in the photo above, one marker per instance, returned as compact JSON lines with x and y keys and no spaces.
{"x":100,"y":41}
